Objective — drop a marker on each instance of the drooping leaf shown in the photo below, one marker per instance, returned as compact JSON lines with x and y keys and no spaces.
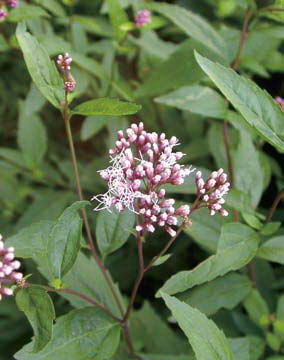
{"x":196,"y":99}
{"x":193,"y":25}
{"x":106,"y":106}
{"x":207,"y":341}
{"x":32,"y":139}
{"x":257,"y":106}
{"x":41,"y":68}
{"x":226,"y":260}
{"x":224,"y":292}
{"x":64,"y":240}
{"x":273,"y":250}
{"x":38,"y":307}
{"x":82,"y":334}
{"x":113,"y":230}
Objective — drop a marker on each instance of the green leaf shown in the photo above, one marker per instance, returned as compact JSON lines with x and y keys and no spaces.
{"x":105,"y":106}
{"x":240,"y":348}
{"x":224,"y":292}
{"x":162,"y":259}
{"x":273,"y":250}
{"x":256,"y":105}
{"x":252,"y":221}
{"x":207,"y":341}
{"x":256,"y":306}
{"x":196,"y":99}
{"x":113,"y":230}
{"x":156,"y":335}
{"x":240,"y":201}
{"x":92,"y":125}
{"x":117,"y":17}
{"x":81,"y":334}
{"x":26,"y":12}
{"x":64,"y":240}
{"x":232,"y":234}
{"x":53,"y":6}
{"x":38,"y":307}
{"x":42,"y":70}
{"x":248,"y":170}
{"x":193,"y":25}
{"x":167,"y":76}
{"x":32,"y":139}
{"x":270,"y":228}
{"x":226,"y":260}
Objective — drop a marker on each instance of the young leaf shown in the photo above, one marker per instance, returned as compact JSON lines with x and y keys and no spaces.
{"x":162,"y":259}
{"x":38,"y":307}
{"x":257,"y":106}
{"x":41,"y":68}
{"x":207,"y":341}
{"x":81,"y":334}
{"x":226,"y":260}
{"x":196,"y":99}
{"x":64,"y":240}
{"x":105,"y":106}
{"x":193,"y":25}
{"x":273,"y":250}
{"x":113,"y":230}
{"x":256,"y":306}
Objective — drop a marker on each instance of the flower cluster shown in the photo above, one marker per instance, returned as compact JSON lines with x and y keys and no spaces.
{"x":8,"y":267}
{"x":212,"y":191}
{"x":280,"y":101}
{"x":64,"y":64}
{"x":3,"y":8}
{"x":142,"y":18}
{"x":141,"y":164}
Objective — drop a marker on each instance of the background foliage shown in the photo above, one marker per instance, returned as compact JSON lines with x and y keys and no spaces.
{"x":178,"y":68}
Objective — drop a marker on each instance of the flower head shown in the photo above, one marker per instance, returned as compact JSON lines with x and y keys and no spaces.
{"x":3,"y":14}
{"x":64,"y":64}
{"x":280,"y":101}
{"x":12,"y":3}
{"x":8,"y":267}
{"x":142,"y":18}
{"x":212,"y":191}
{"x":141,"y":164}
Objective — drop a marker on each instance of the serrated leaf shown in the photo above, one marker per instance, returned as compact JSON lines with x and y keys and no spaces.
{"x":81,"y":334}
{"x":38,"y":307}
{"x":193,"y":25}
{"x":106,"y":106}
{"x":64,"y":240}
{"x":42,"y":70}
{"x":226,"y":260}
{"x":207,"y":341}
{"x":273,"y":250}
{"x":224,"y":292}
{"x":257,"y":106}
{"x":197,"y":99}
{"x":113,"y":230}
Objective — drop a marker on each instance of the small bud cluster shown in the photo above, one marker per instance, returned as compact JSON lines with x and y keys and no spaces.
{"x":8,"y":267}
{"x":212,"y":191}
{"x":64,"y":64}
{"x":143,"y":18}
{"x":3,"y":9}
{"x":142,"y":163}
{"x":280,"y":101}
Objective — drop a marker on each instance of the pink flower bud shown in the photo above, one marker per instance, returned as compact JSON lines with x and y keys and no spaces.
{"x":224,"y":212}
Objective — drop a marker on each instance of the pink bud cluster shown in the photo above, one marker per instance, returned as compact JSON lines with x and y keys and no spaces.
{"x":142,"y":18}
{"x":142,"y":163}
{"x":12,"y":3}
{"x":64,"y":64}
{"x":280,"y":101}
{"x":8,"y":267}
{"x":3,"y":14}
{"x":212,"y":191}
